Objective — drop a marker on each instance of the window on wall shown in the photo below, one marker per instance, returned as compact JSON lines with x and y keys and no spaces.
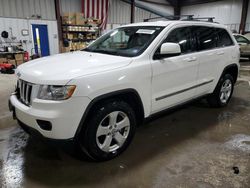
{"x":206,"y":37}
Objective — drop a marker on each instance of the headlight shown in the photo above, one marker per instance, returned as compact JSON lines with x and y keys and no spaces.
{"x":48,"y":92}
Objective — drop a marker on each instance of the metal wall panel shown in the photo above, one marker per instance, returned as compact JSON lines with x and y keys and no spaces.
{"x":119,"y":13}
{"x":18,"y":24}
{"x":71,"y":6}
{"x":227,"y":12}
{"x":248,"y":19}
{"x":27,"y":8}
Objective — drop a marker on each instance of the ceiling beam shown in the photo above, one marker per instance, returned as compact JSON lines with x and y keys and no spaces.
{"x":195,"y":2}
{"x":173,"y":2}
{"x":157,"y":3}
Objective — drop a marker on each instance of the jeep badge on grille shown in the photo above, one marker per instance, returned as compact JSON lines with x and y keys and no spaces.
{"x":18,"y":74}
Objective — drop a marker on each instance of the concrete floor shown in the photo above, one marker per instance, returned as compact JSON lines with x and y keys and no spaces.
{"x":195,"y":146}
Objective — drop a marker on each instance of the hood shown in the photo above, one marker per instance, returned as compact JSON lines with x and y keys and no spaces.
{"x":61,"y":68}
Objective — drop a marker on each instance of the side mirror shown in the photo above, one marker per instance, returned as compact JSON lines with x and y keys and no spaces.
{"x":170,"y":49}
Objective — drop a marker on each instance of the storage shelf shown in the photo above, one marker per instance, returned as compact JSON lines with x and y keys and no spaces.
{"x":78,"y":25}
{"x":80,"y":32}
{"x":80,"y":40}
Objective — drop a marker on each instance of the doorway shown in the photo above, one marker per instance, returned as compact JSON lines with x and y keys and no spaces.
{"x":41,"y":39}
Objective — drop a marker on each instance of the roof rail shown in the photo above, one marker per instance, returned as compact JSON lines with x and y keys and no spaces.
{"x":184,"y":18}
{"x":171,"y":17}
{"x":209,"y":19}
{"x":147,"y":19}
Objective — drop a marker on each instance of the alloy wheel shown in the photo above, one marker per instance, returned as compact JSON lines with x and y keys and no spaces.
{"x":226,"y":90}
{"x":113,"y":131}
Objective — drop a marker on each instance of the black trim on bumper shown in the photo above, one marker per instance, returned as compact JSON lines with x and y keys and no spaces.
{"x":35,"y":133}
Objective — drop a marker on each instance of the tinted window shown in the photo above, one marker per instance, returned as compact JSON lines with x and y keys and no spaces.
{"x":206,"y":37}
{"x":241,"y":39}
{"x":224,"y":38}
{"x":183,"y":37}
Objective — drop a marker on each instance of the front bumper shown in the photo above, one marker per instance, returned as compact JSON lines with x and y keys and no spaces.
{"x":64,"y":116}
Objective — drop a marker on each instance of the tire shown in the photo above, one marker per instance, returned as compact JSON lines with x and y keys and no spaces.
{"x":108,"y":131}
{"x":223,"y":92}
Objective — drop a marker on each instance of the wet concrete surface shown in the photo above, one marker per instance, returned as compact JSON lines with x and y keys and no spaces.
{"x":194,"y":146}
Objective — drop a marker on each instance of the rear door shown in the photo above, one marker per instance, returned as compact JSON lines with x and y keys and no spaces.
{"x":175,"y":78}
{"x":215,"y":48}
{"x":209,"y":57}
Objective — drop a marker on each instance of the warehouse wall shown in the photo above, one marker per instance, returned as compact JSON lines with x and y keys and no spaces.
{"x":18,"y":24}
{"x":71,"y":6}
{"x":227,"y":12}
{"x":119,"y":11}
{"x":27,"y":8}
{"x":20,"y":14}
{"x":119,"y":14}
{"x":248,"y":19}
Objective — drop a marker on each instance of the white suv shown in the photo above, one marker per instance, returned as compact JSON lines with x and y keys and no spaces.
{"x":96,"y":97}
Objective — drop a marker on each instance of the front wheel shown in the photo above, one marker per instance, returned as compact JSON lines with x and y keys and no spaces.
{"x":223,"y":92}
{"x":108,"y":131}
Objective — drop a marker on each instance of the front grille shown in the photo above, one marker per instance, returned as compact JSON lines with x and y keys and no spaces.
{"x":24,"y":91}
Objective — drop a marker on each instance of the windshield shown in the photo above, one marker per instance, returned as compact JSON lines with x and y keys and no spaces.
{"x":125,"y":41}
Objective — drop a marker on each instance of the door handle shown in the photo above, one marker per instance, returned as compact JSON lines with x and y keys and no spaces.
{"x":190,"y":59}
{"x":220,"y":53}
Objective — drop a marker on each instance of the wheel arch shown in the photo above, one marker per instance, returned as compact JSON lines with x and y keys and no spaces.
{"x":131,"y":96}
{"x":233,"y":70}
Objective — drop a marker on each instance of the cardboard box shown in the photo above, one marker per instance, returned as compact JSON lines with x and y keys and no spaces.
{"x":19,"y":57}
{"x":65,"y":49}
{"x":94,"y":22}
{"x":19,"y":62}
{"x":3,"y":60}
{"x":80,"y":20}
{"x":69,"y":18}
{"x":13,"y":62}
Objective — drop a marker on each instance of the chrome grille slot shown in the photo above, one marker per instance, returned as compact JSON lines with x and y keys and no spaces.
{"x":25,"y":89}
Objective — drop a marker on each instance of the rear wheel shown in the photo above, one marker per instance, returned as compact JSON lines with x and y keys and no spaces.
{"x":108,"y":132}
{"x":223,"y":92}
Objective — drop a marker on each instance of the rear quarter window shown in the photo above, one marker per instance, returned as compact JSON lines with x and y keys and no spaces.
{"x":224,"y":38}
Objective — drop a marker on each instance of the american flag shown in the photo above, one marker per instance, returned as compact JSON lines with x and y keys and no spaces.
{"x":96,"y":9}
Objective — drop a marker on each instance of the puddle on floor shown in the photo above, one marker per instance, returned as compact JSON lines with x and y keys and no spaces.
{"x":239,"y":142}
{"x":12,"y":162}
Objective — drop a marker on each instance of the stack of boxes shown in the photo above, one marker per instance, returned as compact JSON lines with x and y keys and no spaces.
{"x":3,"y":60}
{"x":78,"y":30}
{"x":19,"y":59}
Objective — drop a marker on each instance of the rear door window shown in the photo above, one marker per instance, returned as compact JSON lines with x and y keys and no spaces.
{"x":206,"y":37}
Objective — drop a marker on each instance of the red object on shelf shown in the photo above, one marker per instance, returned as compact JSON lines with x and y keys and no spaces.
{"x":26,"y":56}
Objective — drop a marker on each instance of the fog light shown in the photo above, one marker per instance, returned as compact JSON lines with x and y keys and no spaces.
{"x":45,"y":125}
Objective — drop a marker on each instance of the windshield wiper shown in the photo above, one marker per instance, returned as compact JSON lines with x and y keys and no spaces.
{"x":103,"y":52}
